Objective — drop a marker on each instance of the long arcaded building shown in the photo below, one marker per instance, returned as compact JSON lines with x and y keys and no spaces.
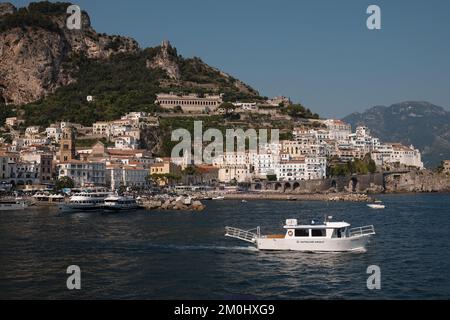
{"x":189,"y":103}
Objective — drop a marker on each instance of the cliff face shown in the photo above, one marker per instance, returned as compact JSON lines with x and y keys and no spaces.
{"x":35,"y":43}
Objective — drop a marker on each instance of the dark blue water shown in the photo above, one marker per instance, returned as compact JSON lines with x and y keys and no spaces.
{"x":181,"y":255}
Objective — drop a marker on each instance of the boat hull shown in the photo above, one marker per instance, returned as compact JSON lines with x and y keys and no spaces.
{"x":65,"y":208}
{"x":119,"y":208}
{"x":314,"y":245}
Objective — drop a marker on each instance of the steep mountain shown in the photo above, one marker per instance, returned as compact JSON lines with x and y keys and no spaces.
{"x":422,"y":124}
{"x":35,"y":43}
{"x":48,"y":70}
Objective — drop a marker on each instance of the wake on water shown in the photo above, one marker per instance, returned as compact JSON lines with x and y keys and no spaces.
{"x":204,"y":247}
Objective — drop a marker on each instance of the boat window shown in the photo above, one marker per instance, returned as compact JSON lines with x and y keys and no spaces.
{"x":318,"y":232}
{"x":302,"y":232}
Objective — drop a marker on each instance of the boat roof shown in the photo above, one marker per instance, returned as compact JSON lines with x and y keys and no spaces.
{"x":321,"y":225}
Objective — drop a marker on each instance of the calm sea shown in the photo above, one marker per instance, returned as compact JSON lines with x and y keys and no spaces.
{"x":184,"y":255}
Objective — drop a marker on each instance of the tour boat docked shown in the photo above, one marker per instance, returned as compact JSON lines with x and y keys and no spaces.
{"x":323,"y":237}
{"x":86,"y":201}
{"x":117,"y":203}
{"x":219,"y":198}
{"x":13,"y":204}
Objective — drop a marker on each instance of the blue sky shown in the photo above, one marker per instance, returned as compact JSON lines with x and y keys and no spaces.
{"x":318,"y":52}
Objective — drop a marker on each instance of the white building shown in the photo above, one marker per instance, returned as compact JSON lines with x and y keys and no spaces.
{"x":126,"y":176}
{"x":83,"y":173}
{"x":338,"y":130}
{"x":234,"y":173}
{"x":391,"y":153}
{"x":32,"y":131}
{"x":308,"y":168}
{"x":53,"y":133}
{"x":126,"y":142}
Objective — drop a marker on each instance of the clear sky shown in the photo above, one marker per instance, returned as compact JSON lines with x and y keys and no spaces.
{"x":318,"y":52}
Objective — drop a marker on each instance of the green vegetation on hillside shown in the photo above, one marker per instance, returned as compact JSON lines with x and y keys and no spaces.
{"x":356,"y":166}
{"x":35,"y":15}
{"x":299,"y":111}
{"x":120,"y":84}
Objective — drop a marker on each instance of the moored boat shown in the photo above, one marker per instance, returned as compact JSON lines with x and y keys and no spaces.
{"x":85,"y":201}
{"x":323,"y":237}
{"x":119,"y":203}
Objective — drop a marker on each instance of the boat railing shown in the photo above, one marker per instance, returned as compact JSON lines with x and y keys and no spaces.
{"x":245,"y":235}
{"x":361,"y":231}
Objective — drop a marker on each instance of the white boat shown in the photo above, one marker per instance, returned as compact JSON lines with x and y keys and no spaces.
{"x":218,"y":198}
{"x":324,"y":237}
{"x":376,"y":205}
{"x":117,"y":203}
{"x":86,"y":201}
{"x":13,"y":204}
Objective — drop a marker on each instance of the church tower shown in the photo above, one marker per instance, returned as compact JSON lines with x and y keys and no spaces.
{"x":67,"y":145}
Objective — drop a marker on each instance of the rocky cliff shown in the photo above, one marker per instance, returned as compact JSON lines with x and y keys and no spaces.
{"x":35,"y":43}
{"x":39,"y":54}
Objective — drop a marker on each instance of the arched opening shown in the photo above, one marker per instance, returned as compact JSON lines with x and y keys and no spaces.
{"x":258,"y":186}
{"x":353,"y":184}
{"x":333,"y":184}
{"x":277,"y":186}
{"x":287,"y":186}
{"x":296,"y":186}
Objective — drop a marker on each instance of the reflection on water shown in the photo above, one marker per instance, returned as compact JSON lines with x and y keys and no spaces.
{"x":186,"y":256}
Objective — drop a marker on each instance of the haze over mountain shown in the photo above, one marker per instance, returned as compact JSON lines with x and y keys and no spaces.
{"x":422,"y":124}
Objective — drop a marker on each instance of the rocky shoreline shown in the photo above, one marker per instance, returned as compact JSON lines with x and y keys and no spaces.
{"x":351,"y":197}
{"x":171,"y":203}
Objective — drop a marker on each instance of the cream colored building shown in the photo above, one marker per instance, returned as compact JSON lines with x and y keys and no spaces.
{"x":189,"y":103}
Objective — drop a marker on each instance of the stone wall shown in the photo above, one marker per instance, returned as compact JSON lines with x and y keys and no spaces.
{"x":356,"y":183}
{"x":417,"y":181}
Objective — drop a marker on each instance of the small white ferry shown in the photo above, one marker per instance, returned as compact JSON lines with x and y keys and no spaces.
{"x":86,"y":201}
{"x":219,"y":198}
{"x":323,"y":237}
{"x":118,"y":203}
{"x":376,"y":205}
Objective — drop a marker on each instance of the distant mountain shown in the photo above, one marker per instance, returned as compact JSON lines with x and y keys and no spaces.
{"x":422,"y":124}
{"x":48,"y":70}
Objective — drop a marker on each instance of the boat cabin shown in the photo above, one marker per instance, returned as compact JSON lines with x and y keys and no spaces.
{"x":325,"y":229}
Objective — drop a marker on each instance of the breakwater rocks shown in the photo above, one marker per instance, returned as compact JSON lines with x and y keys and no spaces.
{"x":172,"y":203}
{"x":351,"y":197}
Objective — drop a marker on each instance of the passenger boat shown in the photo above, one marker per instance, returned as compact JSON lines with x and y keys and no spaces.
{"x":218,"y":198}
{"x":118,"y":203}
{"x":376,"y":205}
{"x":87,"y":200}
{"x":323,"y":237}
{"x":13,"y":204}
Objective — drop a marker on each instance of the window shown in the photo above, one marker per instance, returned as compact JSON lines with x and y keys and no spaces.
{"x":302,"y":232}
{"x":318,"y":232}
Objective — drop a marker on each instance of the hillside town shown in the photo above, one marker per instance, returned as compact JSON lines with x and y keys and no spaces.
{"x":36,"y":158}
